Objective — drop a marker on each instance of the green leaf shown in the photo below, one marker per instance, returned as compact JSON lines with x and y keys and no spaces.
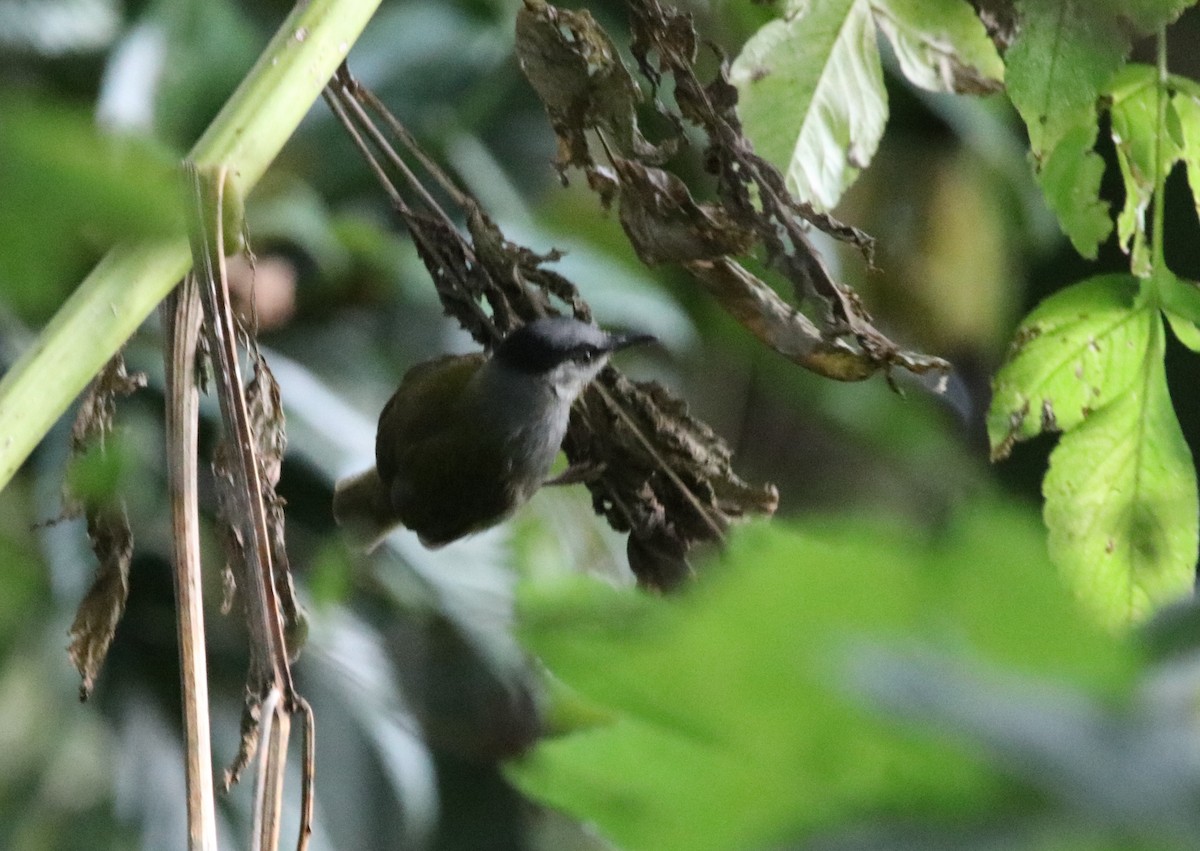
{"x":941,"y":45}
{"x":811,"y":96}
{"x":1180,"y":302}
{"x":1185,"y":331}
{"x":1063,"y":56}
{"x":1076,"y":352}
{"x":1147,"y":15}
{"x":1134,"y":112}
{"x":1121,"y":500}
{"x":739,"y":716}
{"x":1186,"y":106}
{"x":1070,"y":179}
{"x":70,"y":192}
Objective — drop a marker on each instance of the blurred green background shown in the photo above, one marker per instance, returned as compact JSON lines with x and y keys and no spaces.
{"x":420,"y":687}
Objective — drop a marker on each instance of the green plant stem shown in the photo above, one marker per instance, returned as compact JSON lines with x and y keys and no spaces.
{"x":132,"y":279}
{"x":1157,"y":257}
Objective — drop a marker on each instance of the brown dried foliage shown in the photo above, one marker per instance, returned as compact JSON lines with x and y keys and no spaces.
{"x":586,"y":89}
{"x":103,"y":606}
{"x":652,"y":469}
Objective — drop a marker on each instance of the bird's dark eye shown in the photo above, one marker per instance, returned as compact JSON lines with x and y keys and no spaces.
{"x":586,"y":354}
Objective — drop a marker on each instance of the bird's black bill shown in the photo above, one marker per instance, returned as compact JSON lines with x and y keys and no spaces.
{"x":616,"y":342}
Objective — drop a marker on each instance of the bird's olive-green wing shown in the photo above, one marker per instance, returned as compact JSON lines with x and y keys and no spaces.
{"x":445,"y":471}
{"x":428,"y":396}
{"x":453,"y":483}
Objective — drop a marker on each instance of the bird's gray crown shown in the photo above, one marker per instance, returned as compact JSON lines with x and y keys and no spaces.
{"x":541,"y":345}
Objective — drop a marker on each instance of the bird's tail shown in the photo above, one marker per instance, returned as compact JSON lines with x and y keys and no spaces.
{"x":362,"y":507}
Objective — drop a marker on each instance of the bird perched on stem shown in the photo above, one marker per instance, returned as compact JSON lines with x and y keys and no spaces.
{"x":466,"y":440}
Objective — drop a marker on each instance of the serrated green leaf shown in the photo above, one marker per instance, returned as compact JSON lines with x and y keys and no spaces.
{"x":1121,"y":502}
{"x":1186,"y":331}
{"x":1147,"y":15}
{"x":739,"y":723}
{"x":1180,"y":302}
{"x":1070,"y":179}
{"x":1186,"y":106}
{"x":941,"y":45}
{"x":811,"y":96}
{"x":1064,"y":54}
{"x":1076,"y":352}
{"x":1134,"y":111}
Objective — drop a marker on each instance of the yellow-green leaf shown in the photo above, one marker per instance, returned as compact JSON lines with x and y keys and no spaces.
{"x":1076,"y":352}
{"x":1121,"y":500}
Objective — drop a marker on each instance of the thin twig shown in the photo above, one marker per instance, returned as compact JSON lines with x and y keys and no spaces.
{"x":381,"y":142}
{"x":334,"y":97}
{"x":338,"y":99}
{"x":1158,"y":214}
{"x":410,"y":143}
{"x":181,"y":318}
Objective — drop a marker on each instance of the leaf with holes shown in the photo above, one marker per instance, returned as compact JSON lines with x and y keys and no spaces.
{"x":1134,"y":112}
{"x":1065,"y":53}
{"x":1076,"y":352}
{"x":1070,"y":179}
{"x":1121,"y":500}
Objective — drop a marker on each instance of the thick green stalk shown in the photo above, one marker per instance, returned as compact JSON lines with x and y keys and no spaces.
{"x":132,"y":279}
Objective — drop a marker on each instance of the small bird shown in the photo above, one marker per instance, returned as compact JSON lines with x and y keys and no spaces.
{"x":466,"y":440}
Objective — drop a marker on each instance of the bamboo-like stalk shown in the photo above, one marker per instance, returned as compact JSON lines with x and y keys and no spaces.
{"x":132,"y":279}
{"x":181,"y":315}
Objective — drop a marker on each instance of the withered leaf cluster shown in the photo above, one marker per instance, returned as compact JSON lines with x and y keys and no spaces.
{"x":653,"y":469}
{"x":269,"y":428}
{"x":588,"y":92}
{"x":111,"y":540}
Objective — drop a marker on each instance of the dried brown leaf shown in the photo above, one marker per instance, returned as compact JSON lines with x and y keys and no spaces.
{"x":103,"y":606}
{"x":520,"y":273}
{"x":578,"y":74}
{"x":250,"y":730}
{"x":109,"y":534}
{"x":94,"y":421}
{"x":665,"y":476}
{"x":776,"y":323}
{"x":269,"y":427}
{"x":666,"y":225}
{"x":234,"y":570}
{"x":652,"y":468}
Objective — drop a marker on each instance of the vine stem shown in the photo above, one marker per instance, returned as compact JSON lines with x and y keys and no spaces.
{"x":1157,"y":256}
